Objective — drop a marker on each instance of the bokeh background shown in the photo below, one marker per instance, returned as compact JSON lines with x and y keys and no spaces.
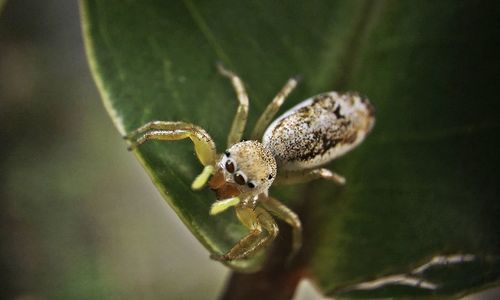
{"x":79,"y":218}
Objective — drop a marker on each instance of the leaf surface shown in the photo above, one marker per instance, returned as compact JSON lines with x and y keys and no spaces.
{"x":421,"y":189}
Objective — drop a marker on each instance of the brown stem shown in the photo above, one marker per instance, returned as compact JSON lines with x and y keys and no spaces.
{"x":262,"y":285}
{"x":276,"y":280}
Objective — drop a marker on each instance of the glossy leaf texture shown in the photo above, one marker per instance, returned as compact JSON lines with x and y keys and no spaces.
{"x":420,"y":213}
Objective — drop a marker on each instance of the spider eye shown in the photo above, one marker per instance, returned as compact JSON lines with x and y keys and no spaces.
{"x":251,"y":185}
{"x":239,"y":179}
{"x":230,"y":166}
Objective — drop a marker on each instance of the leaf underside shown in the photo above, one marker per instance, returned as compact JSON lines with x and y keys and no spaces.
{"x":421,"y":186}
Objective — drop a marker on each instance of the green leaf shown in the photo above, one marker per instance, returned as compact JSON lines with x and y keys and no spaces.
{"x":423,"y":184}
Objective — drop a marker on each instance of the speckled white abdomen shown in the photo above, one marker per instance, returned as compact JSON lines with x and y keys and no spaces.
{"x":319,"y":130}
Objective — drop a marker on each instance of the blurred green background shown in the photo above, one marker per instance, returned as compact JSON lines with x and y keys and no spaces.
{"x":80,"y":219}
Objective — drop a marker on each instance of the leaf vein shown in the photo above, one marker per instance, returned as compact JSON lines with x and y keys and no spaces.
{"x":205,"y":30}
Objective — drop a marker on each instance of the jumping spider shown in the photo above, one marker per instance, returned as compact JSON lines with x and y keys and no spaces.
{"x":292,"y":148}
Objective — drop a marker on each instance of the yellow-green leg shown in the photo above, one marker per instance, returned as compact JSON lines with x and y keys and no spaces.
{"x":293,"y":177}
{"x":170,"y":131}
{"x":273,"y":107}
{"x":286,"y":214}
{"x":263,"y":230}
{"x":240,"y":118}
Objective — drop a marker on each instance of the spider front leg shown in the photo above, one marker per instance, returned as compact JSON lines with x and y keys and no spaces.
{"x":293,"y":177}
{"x":170,"y":131}
{"x":263,"y":230}
{"x":240,"y":118}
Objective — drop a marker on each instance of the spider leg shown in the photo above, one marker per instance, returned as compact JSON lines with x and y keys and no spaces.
{"x":273,"y":107}
{"x":281,"y":211}
{"x":292,"y":177}
{"x":241,"y":115}
{"x":258,"y":221}
{"x":170,"y":131}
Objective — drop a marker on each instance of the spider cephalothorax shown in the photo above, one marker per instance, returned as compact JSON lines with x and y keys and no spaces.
{"x":246,"y":169}
{"x":290,"y":150}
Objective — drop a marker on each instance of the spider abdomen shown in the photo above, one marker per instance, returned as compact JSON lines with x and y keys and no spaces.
{"x":319,"y":130}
